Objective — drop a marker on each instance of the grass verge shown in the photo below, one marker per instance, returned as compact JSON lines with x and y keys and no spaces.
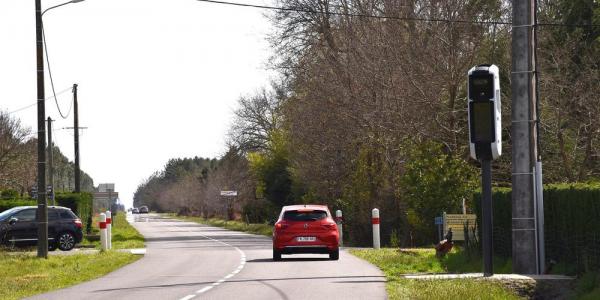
{"x":124,"y":236}
{"x":26,"y":275}
{"x":395,"y":263}
{"x":262,"y":229}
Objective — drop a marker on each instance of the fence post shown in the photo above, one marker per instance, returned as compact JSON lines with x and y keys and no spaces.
{"x":375,"y":222}
{"x":102,"y":225}
{"x":108,"y":230}
{"x":338,"y":220}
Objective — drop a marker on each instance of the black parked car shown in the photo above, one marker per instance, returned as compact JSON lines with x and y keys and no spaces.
{"x":18,"y":227}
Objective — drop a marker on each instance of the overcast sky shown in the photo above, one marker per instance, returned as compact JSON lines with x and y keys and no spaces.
{"x":158,"y":79}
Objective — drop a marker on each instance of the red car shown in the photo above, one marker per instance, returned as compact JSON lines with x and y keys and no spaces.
{"x":305,"y":229}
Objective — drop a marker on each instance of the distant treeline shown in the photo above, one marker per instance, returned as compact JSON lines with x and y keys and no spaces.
{"x":18,"y":161}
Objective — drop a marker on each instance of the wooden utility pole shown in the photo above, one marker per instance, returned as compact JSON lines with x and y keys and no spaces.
{"x":42,"y":209}
{"x":76,"y":140}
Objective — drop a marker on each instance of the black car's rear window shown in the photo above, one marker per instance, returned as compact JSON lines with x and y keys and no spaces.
{"x":67,"y":214}
{"x":313,"y":215}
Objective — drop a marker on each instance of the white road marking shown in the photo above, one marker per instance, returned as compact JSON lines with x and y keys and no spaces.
{"x":206,"y":288}
{"x":218,"y":282}
{"x":188,"y":297}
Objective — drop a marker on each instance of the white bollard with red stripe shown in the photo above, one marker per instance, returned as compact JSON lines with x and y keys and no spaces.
{"x":108,"y":230}
{"x":102,"y":226}
{"x":375,"y":222}
{"x":339,"y":220}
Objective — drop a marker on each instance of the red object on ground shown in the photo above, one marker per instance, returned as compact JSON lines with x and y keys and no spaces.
{"x":443,"y":247}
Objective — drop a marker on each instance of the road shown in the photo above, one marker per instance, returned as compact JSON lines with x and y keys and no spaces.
{"x":186,"y":261}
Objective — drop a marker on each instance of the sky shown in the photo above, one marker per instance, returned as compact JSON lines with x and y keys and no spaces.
{"x":157,"y":79}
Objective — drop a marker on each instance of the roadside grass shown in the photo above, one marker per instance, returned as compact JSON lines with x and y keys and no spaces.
{"x":394,"y":263}
{"x":124,"y":236}
{"x":262,"y":229}
{"x":588,"y":286}
{"x":24,"y":275}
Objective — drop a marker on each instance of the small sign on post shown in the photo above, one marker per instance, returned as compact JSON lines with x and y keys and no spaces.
{"x":229,"y":193}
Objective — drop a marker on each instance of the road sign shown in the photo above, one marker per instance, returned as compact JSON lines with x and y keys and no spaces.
{"x":458,"y":222}
{"x":229,"y":193}
{"x":439,"y":220}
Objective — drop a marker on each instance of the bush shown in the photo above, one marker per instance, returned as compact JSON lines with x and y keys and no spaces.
{"x":433,"y":182}
{"x":80,"y":204}
{"x":9,"y":194}
{"x":260,"y":211}
{"x":6,"y":204}
{"x":572,"y":221}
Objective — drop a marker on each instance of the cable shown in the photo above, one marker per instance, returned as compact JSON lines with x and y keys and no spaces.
{"x":385,"y":17}
{"x":34,"y":103}
{"x":352,"y":14}
{"x":51,"y":79}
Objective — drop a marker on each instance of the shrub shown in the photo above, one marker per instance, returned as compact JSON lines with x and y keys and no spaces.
{"x":9,"y":194}
{"x":6,"y":204}
{"x":80,"y":204}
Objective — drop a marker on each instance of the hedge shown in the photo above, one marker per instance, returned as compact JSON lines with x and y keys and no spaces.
{"x":6,"y":204}
{"x":571,"y":224}
{"x":80,"y":204}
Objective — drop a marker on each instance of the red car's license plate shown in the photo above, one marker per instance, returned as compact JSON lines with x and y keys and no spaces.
{"x":306,"y":239}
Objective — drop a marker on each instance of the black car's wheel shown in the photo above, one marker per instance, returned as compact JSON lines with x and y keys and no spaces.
{"x":276,"y":255}
{"x":334,"y":255}
{"x":66,"y":241}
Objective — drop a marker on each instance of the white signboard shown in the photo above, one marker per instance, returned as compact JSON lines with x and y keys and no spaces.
{"x":229,"y":193}
{"x":458,"y":223}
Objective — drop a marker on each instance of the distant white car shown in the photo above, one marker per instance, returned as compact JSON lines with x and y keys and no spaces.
{"x":143,"y":209}
{"x":135,"y":210}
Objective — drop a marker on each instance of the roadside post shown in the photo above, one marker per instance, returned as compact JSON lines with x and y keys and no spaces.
{"x":102,"y":225}
{"x":108,"y":230}
{"x":439,"y":221}
{"x":485,"y":144}
{"x":375,"y":222}
{"x":338,"y":220}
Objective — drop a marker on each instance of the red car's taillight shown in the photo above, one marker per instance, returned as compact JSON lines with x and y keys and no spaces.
{"x":281,"y":226}
{"x":78,"y":223}
{"x":329,"y":225}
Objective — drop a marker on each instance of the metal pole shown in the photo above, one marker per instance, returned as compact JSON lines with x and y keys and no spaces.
{"x":540,"y":218}
{"x":51,"y":161}
{"x":76,"y":140}
{"x":523,"y":212}
{"x":486,"y":205}
{"x":42,"y":211}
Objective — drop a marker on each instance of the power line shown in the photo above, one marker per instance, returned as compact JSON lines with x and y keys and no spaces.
{"x":51,"y":79}
{"x":35,"y":103}
{"x":304,"y":10}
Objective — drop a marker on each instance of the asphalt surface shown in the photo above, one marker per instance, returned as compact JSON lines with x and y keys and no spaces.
{"x":186,"y":261}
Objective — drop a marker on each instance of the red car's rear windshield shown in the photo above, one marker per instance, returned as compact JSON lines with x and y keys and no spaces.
{"x":301,"y":215}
